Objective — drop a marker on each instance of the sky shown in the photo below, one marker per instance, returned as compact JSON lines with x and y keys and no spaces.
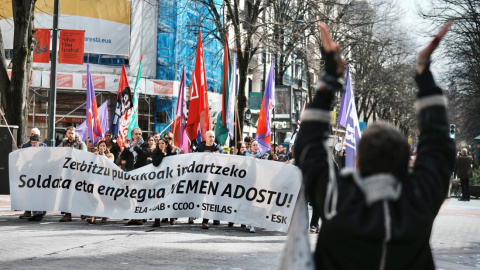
{"x":412,"y":20}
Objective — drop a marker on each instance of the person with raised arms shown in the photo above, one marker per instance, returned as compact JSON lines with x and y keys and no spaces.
{"x":379,"y":216}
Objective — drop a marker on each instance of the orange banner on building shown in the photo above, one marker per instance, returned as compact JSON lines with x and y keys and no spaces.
{"x":71,"y":47}
{"x":41,"y":50}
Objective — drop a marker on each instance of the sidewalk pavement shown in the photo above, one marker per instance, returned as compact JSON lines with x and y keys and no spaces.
{"x":455,"y":236}
{"x":50,"y":244}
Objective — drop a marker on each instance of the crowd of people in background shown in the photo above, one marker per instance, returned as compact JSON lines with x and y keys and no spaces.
{"x":139,"y":152}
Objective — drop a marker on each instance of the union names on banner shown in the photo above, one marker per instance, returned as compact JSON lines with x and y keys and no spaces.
{"x":232,"y":188}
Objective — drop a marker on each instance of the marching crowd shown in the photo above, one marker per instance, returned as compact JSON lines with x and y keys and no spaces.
{"x":138,"y":153}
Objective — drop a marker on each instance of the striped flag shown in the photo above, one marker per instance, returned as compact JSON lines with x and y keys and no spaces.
{"x":94,"y":129}
{"x":136,"y":92}
{"x":264,"y":120}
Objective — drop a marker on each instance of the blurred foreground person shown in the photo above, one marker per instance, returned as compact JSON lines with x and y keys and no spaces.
{"x":380,"y":216}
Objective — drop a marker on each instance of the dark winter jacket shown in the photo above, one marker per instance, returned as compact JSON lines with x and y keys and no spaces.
{"x":201,"y":147}
{"x":142,"y":151}
{"x":378,"y":222}
{"x":464,"y":168}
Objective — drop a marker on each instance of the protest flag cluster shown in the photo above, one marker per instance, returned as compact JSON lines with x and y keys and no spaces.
{"x":125,"y":113}
{"x":198,"y":121}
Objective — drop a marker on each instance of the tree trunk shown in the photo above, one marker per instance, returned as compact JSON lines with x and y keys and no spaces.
{"x":242,"y":99}
{"x":4,"y":80}
{"x":17,"y":93}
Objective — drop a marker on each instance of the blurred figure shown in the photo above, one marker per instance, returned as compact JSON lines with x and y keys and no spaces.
{"x":464,"y":172}
{"x":379,"y":216}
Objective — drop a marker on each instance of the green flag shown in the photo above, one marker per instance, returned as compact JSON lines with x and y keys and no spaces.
{"x":134,"y":122}
{"x":221,"y":132}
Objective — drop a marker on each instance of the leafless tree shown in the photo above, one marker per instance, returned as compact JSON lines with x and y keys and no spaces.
{"x":462,"y":51}
{"x":14,"y":91}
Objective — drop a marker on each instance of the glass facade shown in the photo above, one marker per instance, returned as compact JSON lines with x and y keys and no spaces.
{"x":177,"y":42}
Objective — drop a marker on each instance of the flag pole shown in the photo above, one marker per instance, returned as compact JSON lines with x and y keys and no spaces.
{"x":334,"y":136}
{"x":235,"y":138}
{"x":273,"y":122}
{"x":237,"y":124}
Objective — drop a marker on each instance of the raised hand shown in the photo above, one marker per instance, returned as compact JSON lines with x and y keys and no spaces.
{"x":334,"y":64}
{"x":425,"y":54}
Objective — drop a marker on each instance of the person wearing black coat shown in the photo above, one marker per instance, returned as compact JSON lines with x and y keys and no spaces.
{"x":134,"y":156}
{"x":380,"y":216}
{"x":136,"y":152}
{"x":464,"y":172}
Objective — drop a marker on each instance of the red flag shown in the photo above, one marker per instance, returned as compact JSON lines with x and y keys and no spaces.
{"x":122,"y":115}
{"x":41,"y":50}
{"x":94,"y":129}
{"x":198,"y":111}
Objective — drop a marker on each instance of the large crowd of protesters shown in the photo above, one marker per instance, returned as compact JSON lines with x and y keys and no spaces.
{"x":138,"y":152}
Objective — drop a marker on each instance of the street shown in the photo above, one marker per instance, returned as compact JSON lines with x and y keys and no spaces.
{"x":50,"y":244}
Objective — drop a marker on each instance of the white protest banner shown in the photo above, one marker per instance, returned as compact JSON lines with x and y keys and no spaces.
{"x":231,"y":188}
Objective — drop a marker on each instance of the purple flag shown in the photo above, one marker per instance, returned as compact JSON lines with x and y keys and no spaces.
{"x":352,"y":126}
{"x":231,"y":98}
{"x":81,"y":129}
{"x":342,"y":115}
{"x":179,"y":132}
{"x":264,"y":120}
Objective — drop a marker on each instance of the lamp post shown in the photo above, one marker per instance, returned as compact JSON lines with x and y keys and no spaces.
{"x":53,"y":78}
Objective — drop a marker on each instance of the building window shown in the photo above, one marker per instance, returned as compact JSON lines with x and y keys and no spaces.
{"x":250,"y":85}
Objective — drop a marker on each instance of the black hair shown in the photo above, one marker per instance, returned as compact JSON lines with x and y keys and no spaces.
{"x":35,"y":137}
{"x":383,"y":149}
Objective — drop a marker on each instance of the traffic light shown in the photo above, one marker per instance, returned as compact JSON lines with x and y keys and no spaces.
{"x":452,"y":131}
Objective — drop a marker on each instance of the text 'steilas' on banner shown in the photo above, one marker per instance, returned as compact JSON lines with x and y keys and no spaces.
{"x":41,"y":49}
{"x":71,"y":47}
{"x":231,"y":188}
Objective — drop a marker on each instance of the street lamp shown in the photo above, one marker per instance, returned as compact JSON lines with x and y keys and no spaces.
{"x":248,"y":114}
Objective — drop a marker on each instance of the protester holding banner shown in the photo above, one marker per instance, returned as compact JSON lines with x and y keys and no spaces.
{"x":248,"y":141}
{"x":112,"y":146}
{"x":33,"y":132}
{"x":163,"y":149}
{"x":136,"y":152}
{"x":209,"y":145}
{"x":90,"y":147}
{"x":101,"y":151}
{"x":152,"y":145}
{"x":134,"y":156}
{"x":170,"y":138}
{"x":380,"y":216}
{"x":72,"y":141}
{"x":240,"y":149}
{"x":35,"y":141}
{"x":253,"y":151}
